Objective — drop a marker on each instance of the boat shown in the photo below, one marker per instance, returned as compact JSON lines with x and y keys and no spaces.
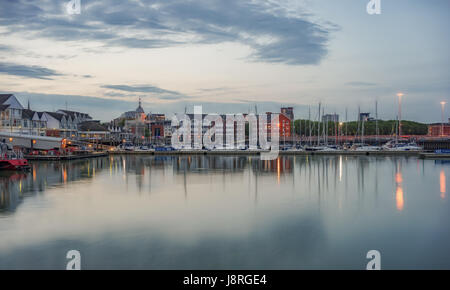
{"x":321,"y":148}
{"x":401,"y":146}
{"x":365,"y":148}
{"x":11,"y":160}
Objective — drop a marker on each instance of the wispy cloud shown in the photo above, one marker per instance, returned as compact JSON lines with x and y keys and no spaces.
{"x":273,"y":33}
{"x":5,"y":48}
{"x":160,"y":93}
{"x":361,"y":84}
{"x":28,"y":71}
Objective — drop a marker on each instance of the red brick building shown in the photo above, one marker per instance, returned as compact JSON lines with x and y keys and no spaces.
{"x":284,"y":124}
{"x":436,"y":129}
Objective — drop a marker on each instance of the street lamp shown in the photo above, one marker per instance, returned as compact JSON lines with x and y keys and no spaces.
{"x":400,"y":95}
{"x":442,"y":116}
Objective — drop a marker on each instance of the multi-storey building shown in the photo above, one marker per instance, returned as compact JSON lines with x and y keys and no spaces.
{"x":288,"y":112}
{"x":15,"y":118}
{"x":439,"y":129}
{"x":330,"y":118}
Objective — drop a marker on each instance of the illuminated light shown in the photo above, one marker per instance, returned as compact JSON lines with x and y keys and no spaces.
{"x":398,"y":178}
{"x":278,"y":170}
{"x":10,"y":139}
{"x":399,"y":198}
{"x":442,"y":184}
{"x":34,"y":141}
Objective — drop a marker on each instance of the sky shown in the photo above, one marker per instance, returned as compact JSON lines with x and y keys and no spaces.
{"x":229,"y":56}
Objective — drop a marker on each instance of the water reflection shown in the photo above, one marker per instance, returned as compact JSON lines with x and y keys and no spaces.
{"x":400,"y":202}
{"x":291,"y":212}
{"x":314,"y":172}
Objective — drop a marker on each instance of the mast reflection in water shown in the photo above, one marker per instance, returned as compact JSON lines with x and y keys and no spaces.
{"x":222,"y":212}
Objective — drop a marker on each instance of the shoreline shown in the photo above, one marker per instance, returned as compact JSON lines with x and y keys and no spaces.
{"x":420,"y":154}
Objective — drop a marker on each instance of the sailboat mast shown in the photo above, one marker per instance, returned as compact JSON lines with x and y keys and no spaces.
{"x":309,"y":123}
{"x":346,"y":121}
{"x":318,"y":126}
{"x":376,"y":122}
{"x":359,"y":120}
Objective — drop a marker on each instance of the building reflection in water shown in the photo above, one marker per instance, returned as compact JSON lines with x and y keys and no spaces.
{"x":14,"y":186}
{"x":336,"y":181}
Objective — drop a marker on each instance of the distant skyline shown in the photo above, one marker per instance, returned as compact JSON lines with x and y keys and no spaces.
{"x":228,"y":56}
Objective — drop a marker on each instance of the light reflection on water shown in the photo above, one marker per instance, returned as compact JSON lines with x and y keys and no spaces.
{"x":218,"y":212}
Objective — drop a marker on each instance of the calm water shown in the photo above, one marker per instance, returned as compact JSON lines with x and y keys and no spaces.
{"x":217,"y":212}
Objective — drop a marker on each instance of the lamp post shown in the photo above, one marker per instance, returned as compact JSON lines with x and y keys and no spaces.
{"x":442,"y":116}
{"x":400,"y":95}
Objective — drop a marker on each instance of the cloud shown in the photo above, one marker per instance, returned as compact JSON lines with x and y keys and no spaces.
{"x":5,"y":48}
{"x":159,"y":92}
{"x":361,"y":84}
{"x":28,"y":71}
{"x":273,"y":33}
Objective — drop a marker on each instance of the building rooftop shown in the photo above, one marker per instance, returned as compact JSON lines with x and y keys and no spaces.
{"x":4,"y":97}
{"x":28,"y":114}
{"x":3,"y":107}
{"x":94,"y":126}
{"x":57,"y":116}
{"x":73,"y":113}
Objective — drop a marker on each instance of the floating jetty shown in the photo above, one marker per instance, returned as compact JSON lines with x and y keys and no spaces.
{"x":435,"y":155}
{"x":424,"y":155}
{"x":65,"y":157}
{"x":286,"y":152}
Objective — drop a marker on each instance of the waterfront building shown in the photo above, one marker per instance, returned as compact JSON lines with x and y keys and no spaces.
{"x":364,"y":117}
{"x":33,"y":123}
{"x":285,"y":124}
{"x":93,"y":131}
{"x":439,"y":129}
{"x":330,"y":118}
{"x":139,"y":113}
{"x":60,"y":125}
{"x":14,"y":118}
{"x":76,"y":117}
{"x":231,"y":130}
{"x":288,"y":112}
{"x":10,"y":113}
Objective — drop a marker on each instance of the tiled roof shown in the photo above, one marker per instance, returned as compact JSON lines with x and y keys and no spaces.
{"x":4,"y":97}
{"x":57,"y":116}
{"x":72,"y":114}
{"x":3,"y":107}
{"x":27,"y":114}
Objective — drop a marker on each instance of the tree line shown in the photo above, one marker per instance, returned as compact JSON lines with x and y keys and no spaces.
{"x":351,"y":128}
